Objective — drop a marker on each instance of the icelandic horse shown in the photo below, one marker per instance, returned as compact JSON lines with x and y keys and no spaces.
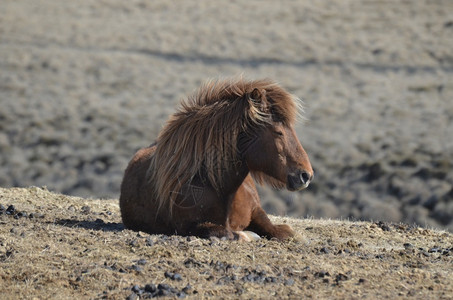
{"x":197,"y":178}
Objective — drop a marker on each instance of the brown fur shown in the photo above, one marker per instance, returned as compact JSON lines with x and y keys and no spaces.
{"x":196,"y":178}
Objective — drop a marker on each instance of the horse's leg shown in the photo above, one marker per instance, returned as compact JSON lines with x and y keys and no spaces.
{"x":245,"y":213}
{"x":262,"y":225}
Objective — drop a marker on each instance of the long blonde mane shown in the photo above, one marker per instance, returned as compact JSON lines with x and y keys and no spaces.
{"x":202,"y":135}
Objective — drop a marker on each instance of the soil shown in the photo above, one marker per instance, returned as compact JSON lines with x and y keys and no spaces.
{"x":54,"y":246}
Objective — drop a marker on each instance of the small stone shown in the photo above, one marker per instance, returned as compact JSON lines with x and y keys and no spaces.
{"x":383,"y":226}
{"x":85,"y":209}
{"x":136,"y":289}
{"x":289,"y":282}
{"x":426,"y":254}
{"x":248,"y":277}
{"x":341,"y":277}
{"x":150,"y":288}
{"x":36,"y":215}
{"x":132,"y":296}
{"x":187,"y":289}
{"x":133,"y":243}
{"x":163,"y":286}
{"x":408,"y":245}
{"x":10,"y":210}
{"x":163,"y":293}
{"x":142,"y":262}
{"x":324,"y":250}
{"x":223,"y":280}
{"x":361,"y":280}
{"x":322,"y":274}
{"x":149,"y":242}
{"x":270,"y":279}
{"x":434,"y":250}
{"x":136,"y":268}
{"x":173,"y":276}
{"x":22,"y":214}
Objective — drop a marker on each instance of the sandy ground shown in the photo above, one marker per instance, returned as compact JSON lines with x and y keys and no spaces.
{"x":54,"y":246}
{"x":84,"y":84}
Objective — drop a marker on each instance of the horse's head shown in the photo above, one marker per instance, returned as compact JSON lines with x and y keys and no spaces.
{"x":273,"y":152}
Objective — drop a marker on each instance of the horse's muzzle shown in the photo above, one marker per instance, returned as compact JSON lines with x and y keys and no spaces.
{"x":298,"y":180}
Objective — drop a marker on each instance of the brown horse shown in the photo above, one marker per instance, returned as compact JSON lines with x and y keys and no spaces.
{"x":196,"y":179}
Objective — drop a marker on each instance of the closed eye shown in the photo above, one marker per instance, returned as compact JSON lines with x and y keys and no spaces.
{"x":278,"y":133}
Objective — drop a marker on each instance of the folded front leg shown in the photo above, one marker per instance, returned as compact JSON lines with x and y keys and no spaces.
{"x":262,"y":225}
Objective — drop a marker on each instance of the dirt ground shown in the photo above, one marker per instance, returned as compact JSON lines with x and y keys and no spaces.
{"x":54,"y":246}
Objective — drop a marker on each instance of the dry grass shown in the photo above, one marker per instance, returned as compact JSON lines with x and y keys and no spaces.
{"x":77,"y":248}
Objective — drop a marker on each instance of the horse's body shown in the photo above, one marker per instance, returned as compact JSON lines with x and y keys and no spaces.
{"x":197,"y":178}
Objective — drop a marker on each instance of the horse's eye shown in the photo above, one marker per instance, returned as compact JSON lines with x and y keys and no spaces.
{"x":278,"y":132}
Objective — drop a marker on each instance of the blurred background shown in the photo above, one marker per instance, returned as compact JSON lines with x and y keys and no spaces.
{"x":84,"y":84}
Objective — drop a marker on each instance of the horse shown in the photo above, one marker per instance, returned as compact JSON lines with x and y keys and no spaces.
{"x":198,"y":177}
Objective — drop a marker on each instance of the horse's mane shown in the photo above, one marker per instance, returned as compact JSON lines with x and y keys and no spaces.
{"x":202,"y":135}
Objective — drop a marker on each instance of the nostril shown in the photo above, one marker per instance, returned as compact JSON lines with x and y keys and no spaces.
{"x":305,"y":177}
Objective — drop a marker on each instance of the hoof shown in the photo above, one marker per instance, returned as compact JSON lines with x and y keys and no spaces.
{"x":247,"y":236}
{"x":283,"y":232}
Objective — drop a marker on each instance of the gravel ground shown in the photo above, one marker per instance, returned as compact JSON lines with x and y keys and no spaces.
{"x":84,"y":85}
{"x":54,"y":246}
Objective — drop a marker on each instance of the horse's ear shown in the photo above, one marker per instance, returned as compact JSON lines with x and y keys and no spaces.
{"x":258,"y":96}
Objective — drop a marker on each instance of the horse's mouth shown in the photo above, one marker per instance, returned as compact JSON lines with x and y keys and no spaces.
{"x":292,"y":188}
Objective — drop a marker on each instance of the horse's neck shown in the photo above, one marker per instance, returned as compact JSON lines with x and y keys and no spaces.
{"x":233,"y":179}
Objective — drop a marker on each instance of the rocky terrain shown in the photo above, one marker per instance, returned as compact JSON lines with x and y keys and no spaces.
{"x":85,"y":84}
{"x":54,"y":246}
